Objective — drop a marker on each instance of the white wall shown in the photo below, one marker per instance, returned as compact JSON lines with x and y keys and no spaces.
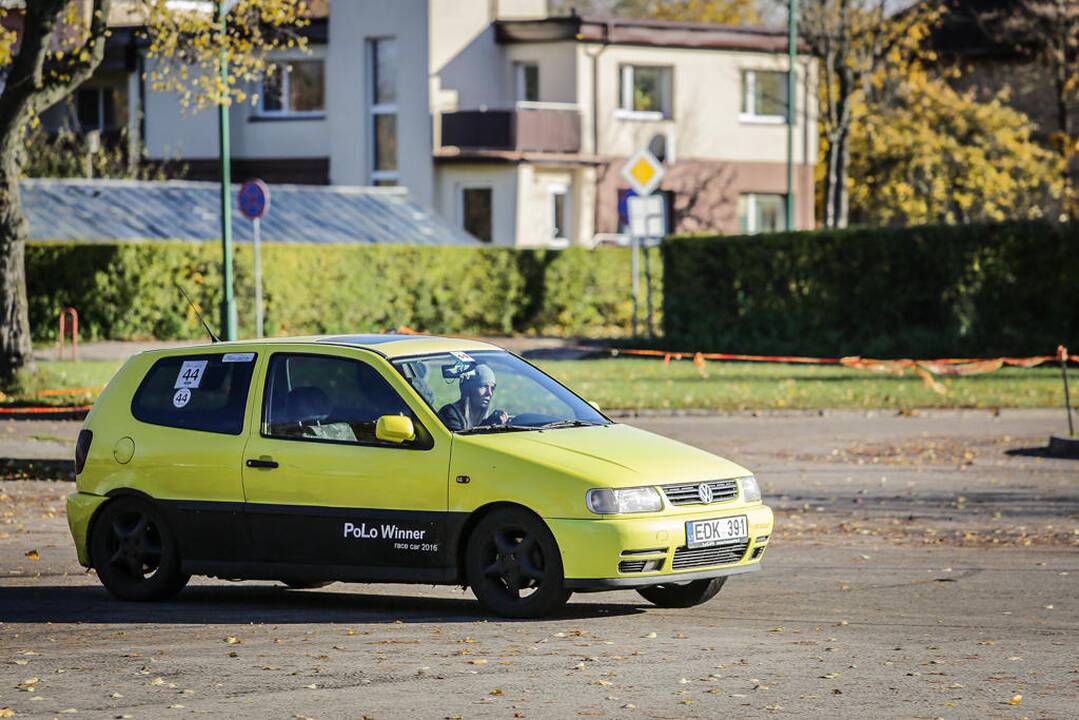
{"x":452,"y":178}
{"x":707,"y":96}
{"x":172,"y":131}
{"x":352,"y":24}
{"x":558,"y":66}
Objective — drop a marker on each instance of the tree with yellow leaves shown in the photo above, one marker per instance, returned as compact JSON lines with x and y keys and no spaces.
{"x":59,"y":45}
{"x":934,"y":155}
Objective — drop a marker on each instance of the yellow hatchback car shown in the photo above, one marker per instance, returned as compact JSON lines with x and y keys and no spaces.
{"x":395,"y":458}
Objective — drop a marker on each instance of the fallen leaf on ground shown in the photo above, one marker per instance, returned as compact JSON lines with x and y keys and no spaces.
{"x":232,"y":640}
{"x":32,"y":555}
{"x":1016,"y":699}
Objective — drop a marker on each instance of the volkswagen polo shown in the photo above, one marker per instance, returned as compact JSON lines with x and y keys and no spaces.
{"x":394,"y":458}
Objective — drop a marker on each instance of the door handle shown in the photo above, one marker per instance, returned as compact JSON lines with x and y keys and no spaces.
{"x":260,"y":463}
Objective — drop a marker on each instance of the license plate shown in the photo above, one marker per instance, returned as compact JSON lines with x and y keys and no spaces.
{"x":702,"y":533}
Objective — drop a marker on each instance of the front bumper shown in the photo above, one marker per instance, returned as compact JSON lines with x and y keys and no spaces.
{"x":604,"y":553}
{"x":80,"y":509}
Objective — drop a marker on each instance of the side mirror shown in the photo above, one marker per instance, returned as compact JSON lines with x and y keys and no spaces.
{"x":595,"y":406}
{"x":395,"y":429}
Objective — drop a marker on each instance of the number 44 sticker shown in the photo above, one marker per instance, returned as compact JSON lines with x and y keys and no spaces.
{"x":190,"y":374}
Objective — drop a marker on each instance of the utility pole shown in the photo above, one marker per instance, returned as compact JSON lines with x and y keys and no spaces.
{"x":228,"y":301}
{"x":792,"y":57}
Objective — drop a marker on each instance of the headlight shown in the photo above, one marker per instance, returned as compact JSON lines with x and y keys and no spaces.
{"x":605,"y":501}
{"x":751,"y":491}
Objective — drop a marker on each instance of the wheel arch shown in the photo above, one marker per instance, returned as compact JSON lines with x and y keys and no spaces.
{"x":474,"y":519}
{"x":113,"y":496}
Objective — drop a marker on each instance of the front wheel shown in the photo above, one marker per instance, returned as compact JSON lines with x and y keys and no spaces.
{"x":134,"y":552}
{"x":682,"y":595}
{"x":513,"y":565}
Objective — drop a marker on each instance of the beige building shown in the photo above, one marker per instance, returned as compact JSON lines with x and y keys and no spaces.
{"x":512,"y":124}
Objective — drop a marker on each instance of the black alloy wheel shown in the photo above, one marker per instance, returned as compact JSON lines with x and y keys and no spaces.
{"x":682,"y":595}
{"x":134,"y":553}
{"x":513,"y":565}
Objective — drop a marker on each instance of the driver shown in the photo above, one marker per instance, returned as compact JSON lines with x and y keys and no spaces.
{"x":477,"y":389}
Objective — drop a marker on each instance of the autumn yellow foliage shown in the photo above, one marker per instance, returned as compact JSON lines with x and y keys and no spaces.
{"x":935,"y":155}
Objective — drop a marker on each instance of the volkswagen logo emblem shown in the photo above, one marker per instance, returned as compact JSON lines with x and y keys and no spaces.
{"x":704,"y":492}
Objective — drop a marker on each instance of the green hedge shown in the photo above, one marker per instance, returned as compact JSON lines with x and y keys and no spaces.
{"x":126,"y":290}
{"x":974,"y":290}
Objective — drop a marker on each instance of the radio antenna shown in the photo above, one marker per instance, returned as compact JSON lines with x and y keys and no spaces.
{"x":213,"y":337}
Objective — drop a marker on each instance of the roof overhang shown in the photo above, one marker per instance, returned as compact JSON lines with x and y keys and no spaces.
{"x":654,"y":33}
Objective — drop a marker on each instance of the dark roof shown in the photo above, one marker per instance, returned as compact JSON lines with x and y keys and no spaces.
{"x":105,"y":210}
{"x":631,"y":31}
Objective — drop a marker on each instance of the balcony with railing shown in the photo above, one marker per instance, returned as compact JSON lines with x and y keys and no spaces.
{"x":525,"y":127}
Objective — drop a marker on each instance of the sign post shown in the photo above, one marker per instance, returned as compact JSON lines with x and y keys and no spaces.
{"x":647,"y":221}
{"x":254,"y":202}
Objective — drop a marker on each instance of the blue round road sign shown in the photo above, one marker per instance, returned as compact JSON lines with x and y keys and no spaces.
{"x":254,"y":199}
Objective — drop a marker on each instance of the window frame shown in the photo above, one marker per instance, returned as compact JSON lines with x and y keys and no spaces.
{"x":520,"y":81}
{"x":253,"y":363}
{"x":752,"y":215}
{"x":374,"y":109}
{"x":554,"y":190}
{"x":423,"y":440}
{"x":286,"y":112}
{"x":749,"y":99}
{"x":461,"y":208}
{"x":624,"y":109}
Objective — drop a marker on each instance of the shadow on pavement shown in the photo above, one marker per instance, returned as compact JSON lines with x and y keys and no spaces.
{"x":203,"y":604}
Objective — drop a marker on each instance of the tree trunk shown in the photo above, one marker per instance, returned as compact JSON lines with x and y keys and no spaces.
{"x":842,"y":211}
{"x":831,"y":159}
{"x":16,"y":352}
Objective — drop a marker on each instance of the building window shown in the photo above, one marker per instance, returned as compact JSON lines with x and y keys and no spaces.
{"x":476,"y":212}
{"x":762,"y":213}
{"x":764,"y":96}
{"x":97,"y":108}
{"x":382,"y":55}
{"x":560,"y":213}
{"x":294,"y":89}
{"x":526,"y":79}
{"x":645,"y":92}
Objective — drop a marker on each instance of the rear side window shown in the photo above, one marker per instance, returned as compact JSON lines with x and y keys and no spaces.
{"x":196,"y":392}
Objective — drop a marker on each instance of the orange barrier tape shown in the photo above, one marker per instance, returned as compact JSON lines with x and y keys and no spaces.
{"x":68,"y":391}
{"x":925,"y":369}
{"x":44,"y":410}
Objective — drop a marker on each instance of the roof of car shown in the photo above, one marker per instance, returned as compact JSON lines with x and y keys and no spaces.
{"x":388,"y":344}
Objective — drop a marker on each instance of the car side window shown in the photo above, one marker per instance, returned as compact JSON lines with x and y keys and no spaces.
{"x":324,"y":398}
{"x":196,"y":392}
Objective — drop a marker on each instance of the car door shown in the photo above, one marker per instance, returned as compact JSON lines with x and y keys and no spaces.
{"x":193,"y":419}
{"x":322,"y":490}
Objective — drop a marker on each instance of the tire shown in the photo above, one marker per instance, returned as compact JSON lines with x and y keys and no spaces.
{"x":294,"y":584}
{"x":135,"y":553}
{"x":513,"y":565}
{"x":674,"y":595}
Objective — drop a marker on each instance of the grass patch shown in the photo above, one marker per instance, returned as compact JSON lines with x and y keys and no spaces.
{"x":61,"y":375}
{"x":636,"y":384}
{"x":633,"y":384}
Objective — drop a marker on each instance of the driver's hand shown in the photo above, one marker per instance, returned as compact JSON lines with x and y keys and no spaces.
{"x":498,"y":417}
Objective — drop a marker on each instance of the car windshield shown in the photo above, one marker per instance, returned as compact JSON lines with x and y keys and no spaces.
{"x":494,"y":391}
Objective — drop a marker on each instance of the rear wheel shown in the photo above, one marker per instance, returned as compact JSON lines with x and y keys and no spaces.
{"x":134,"y":552}
{"x":683,"y":595}
{"x":513,"y":565}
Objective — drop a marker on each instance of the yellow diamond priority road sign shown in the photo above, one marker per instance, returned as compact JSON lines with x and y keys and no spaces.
{"x":643,"y":173}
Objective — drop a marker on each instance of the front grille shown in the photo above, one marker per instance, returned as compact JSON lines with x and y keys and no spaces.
{"x":631,"y":566}
{"x":722,"y":490}
{"x":704,"y":557}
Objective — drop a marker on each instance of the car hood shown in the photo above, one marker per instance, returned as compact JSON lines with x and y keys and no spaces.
{"x":611,"y":455}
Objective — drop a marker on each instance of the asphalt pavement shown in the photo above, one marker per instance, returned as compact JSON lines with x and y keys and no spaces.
{"x":923,"y":566}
